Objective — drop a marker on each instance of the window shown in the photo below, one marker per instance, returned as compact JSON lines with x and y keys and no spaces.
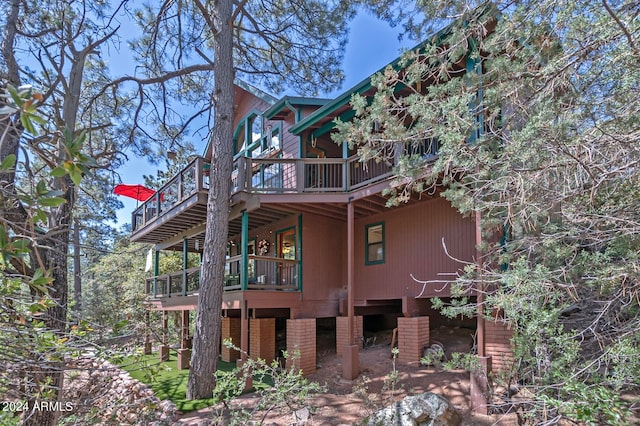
{"x":240,"y":139}
{"x":256,"y":128}
{"x":374,"y":244}
{"x":254,"y":138}
{"x":273,"y":138}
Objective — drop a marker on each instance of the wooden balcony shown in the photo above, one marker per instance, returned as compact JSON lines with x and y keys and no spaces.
{"x":263,"y":273}
{"x":174,"y":208}
{"x":180,"y":205}
{"x":305,"y":175}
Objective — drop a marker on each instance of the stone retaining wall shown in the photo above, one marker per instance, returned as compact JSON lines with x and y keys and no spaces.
{"x":104,"y":393}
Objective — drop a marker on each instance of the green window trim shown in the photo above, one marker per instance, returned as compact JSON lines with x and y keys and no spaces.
{"x":374,"y":244}
{"x":256,"y":136}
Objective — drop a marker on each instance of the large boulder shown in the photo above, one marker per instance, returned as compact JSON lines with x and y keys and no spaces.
{"x":426,"y":409}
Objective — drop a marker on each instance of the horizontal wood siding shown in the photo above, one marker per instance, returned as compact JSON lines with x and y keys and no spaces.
{"x":290,"y":142}
{"x":413,"y":245}
{"x":323,"y":258}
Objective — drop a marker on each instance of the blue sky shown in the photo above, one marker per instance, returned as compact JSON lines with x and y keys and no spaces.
{"x":372,"y":44}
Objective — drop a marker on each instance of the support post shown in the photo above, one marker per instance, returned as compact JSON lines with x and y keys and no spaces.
{"x":164,"y":347}
{"x":156,"y":271}
{"x":479,"y":288}
{"x":480,"y":386}
{"x":244,"y":243}
{"x":184,"y":353}
{"x":147,"y":341}
{"x":185,"y":262}
{"x":244,"y":330}
{"x":351,"y":354}
{"x":345,"y":165}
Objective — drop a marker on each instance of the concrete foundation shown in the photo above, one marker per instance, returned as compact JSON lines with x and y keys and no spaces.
{"x":164,"y":353}
{"x":479,"y":392}
{"x":184,"y":359}
{"x":350,"y":362}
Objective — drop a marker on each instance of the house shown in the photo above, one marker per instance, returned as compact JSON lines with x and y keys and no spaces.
{"x":312,"y":246}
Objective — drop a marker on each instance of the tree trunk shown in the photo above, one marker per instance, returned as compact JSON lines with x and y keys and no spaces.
{"x":206,"y":338}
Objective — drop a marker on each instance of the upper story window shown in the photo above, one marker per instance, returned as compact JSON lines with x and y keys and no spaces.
{"x":240,"y":138}
{"x":252,"y":138}
{"x":256,"y":128}
{"x":374,"y":244}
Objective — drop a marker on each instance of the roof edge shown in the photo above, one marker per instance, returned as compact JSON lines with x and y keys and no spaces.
{"x":365,"y":84}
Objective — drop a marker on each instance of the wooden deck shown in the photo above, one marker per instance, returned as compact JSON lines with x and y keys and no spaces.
{"x":180,"y":205}
{"x":264,"y":273}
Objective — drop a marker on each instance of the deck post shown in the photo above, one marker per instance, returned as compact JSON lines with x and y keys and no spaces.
{"x":300,"y":175}
{"x":350,"y":356}
{"x":244,"y":245}
{"x":156,"y":271}
{"x":147,"y":340}
{"x":479,"y":288}
{"x":345,"y":166}
{"x":185,"y":262}
{"x":244,"y":330}
{"x":164,"y":347}
{"x":184,"y":353}
{"x":241,"y":174}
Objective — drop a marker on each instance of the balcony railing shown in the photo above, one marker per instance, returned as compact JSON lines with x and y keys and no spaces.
{"x":263,"y":273}
{"x":262,"y":175}
{"x":181,"y":283}
{"x":192,"y":179}
{"x":277,"y":175}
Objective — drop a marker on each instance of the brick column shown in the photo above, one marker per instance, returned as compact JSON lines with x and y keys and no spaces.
{"x":301,"y":337}
{"x":230,"y":330}
{"x":497,"y":344}
{"x":262,"y":338}
{"x":342,"y":325}
{"x":413,"y":336}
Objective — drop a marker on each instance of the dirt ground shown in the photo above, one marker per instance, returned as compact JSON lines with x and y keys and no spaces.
{"x":349,"y":402}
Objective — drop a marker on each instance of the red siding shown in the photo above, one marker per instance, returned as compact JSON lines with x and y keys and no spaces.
{"x":413,"y":245}
{"x":245,"y":103}
{"x":290,"y":142}
{"x":323,"y":258}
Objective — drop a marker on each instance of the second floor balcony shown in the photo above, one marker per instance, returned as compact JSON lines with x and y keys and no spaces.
{"x":181,"y":203}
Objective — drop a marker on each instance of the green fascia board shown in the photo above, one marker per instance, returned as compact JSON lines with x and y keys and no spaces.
{"x":331,"y":107}
{"x":365,"y":84}
{"x":293,"y":100}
